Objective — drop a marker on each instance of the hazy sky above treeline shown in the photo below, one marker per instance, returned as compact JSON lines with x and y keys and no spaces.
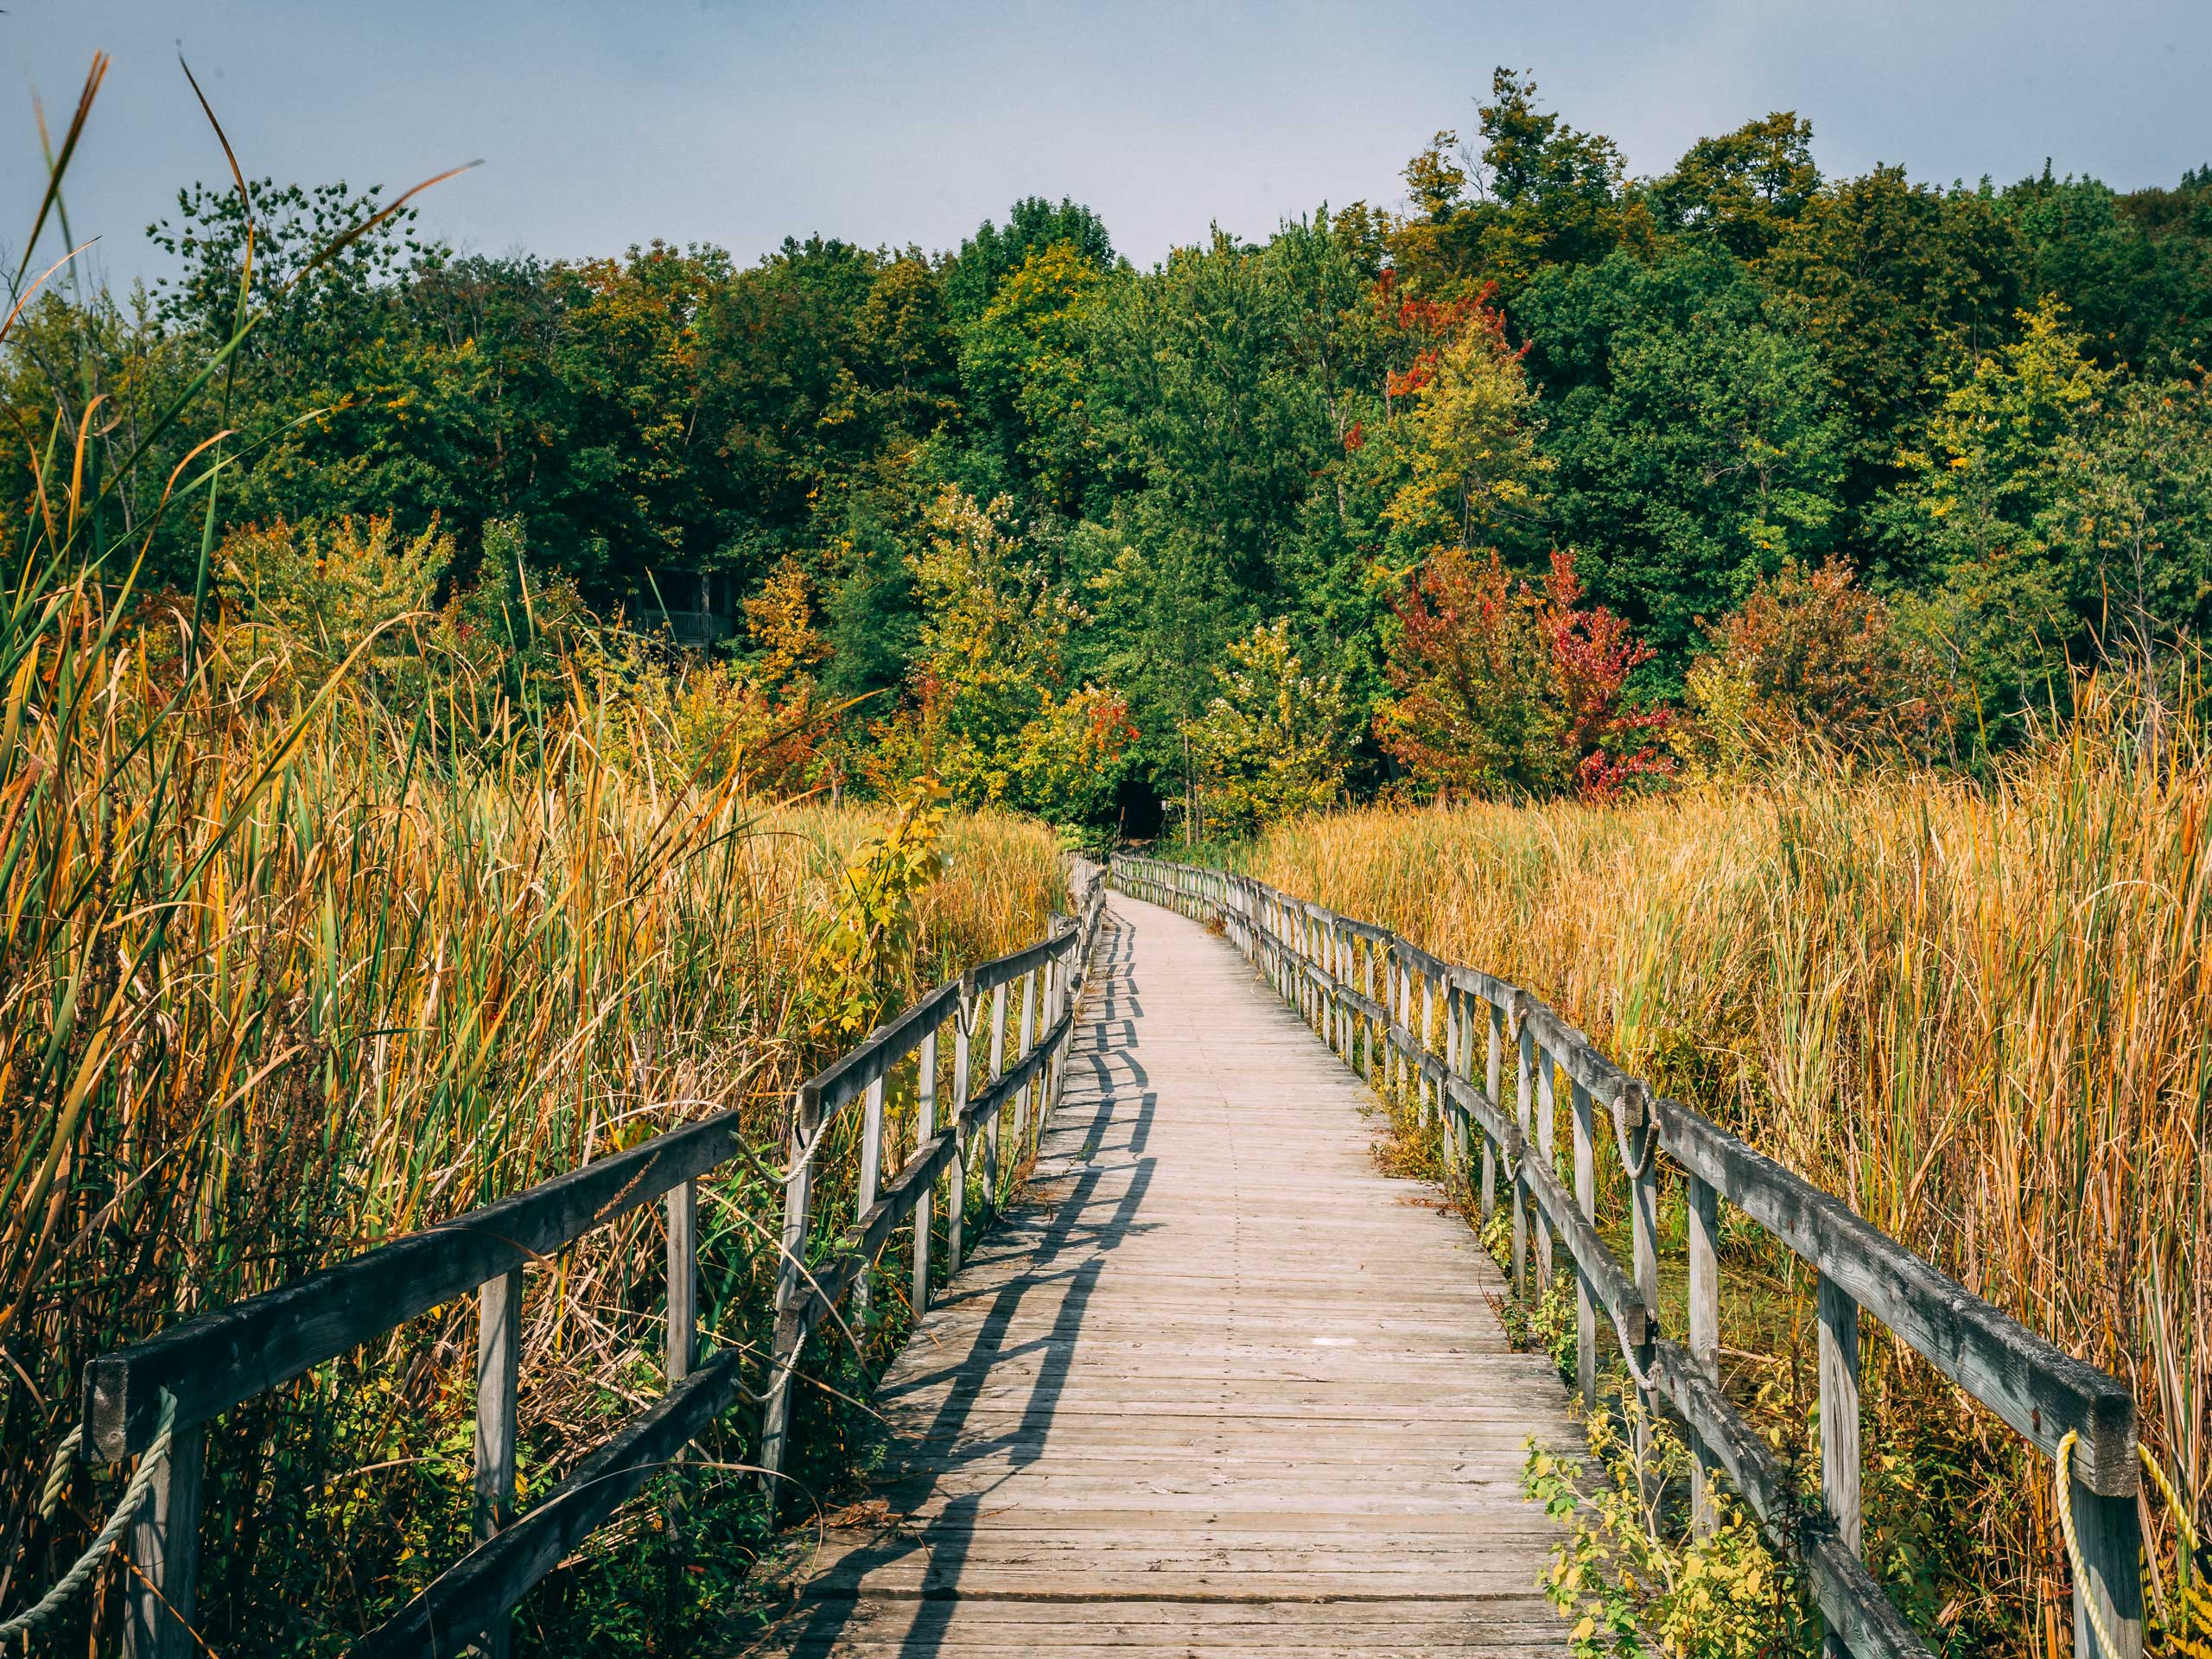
{"x":602,"y":122}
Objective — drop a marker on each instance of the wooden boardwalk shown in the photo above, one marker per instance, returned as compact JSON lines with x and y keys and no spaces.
{"x":1221,"y":1386}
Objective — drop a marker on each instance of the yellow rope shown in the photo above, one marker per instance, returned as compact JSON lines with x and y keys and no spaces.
{"x":2182,"y":1523}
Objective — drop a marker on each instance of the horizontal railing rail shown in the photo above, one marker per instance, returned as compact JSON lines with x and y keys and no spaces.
{"x":212,"y":1363}
{"x":1383,"y":1003}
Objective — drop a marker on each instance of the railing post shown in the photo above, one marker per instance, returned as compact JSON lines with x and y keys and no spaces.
{"x":1547,"y":1149}
{"x":1586,"y":1200}
{"x":1447,"y":1117}
{"x":1057,"y":975}
{"x":1324,"y":943}
{"x":1331,"y":999}
{"x":1386,"y":999}
{"x":1308,"y":986}
{"x":799,"y":1181}
{"x":1525,"y":1109}
{"x":1316,"y":952}
{"x":1366,"y":1025}
{"x":1703,"y":1203}
{"x":683,"y":1206}
{"x":1301,"y":946}
{"x":871,"y":1177}
{"x":1427,"y":1036}
{"x":1339,"y":981}
{"x":1023,"y":1095}
{"x":1633,"y":1106}
{"x":1347,"y":960}
{"x":1309,"y":942}
{"x":1401,"y":1016}
{"x":924,"y":1129}
{"x":1332,"y":942}
{"x":2109,"y":1531}
{"x":1460,"y":1041}
{"x":165,"y":1551}
{"x":991,"y":1130}
{"x":956,"y":1200}
{"x":1494,"y":1078}
{"x":499,"y":1362}
{"x":1838,"y":1369}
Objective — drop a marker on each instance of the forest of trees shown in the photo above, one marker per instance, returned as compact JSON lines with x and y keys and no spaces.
{"x":1560,"y":480}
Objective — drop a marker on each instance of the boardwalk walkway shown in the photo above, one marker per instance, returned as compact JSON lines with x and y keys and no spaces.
{"x":1221,"y":1387}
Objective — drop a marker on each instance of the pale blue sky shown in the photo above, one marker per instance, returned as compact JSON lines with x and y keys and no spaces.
{"x":612,"y":122}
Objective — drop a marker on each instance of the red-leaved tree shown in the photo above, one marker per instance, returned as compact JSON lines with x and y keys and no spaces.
{"x":1506,"y":687}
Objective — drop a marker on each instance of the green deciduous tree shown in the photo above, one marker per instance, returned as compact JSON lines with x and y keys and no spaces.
{"x":1022,"y":366}
{"x":1969,"y":520}
{"x":1695,"y":439}
{"x":1895,"y":282}
{"x":1274,"y":741}
{"x":972,"y":275}
{"x":990,"y":711}
{"x":1539,"y":193}
{"x":2134,"y":507}
{"x":2134,"y":269}
{"x":1743,"y":189}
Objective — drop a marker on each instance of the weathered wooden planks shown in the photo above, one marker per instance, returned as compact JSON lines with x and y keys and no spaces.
{"x":1221,"y":1386}
{"x":2055,"y":1401}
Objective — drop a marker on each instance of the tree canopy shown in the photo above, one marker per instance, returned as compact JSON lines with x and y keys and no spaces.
{"x":1077,"y":535}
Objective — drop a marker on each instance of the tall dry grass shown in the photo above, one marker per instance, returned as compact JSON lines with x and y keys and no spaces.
{"x":1976,"y":1013}
{"x":278,"y":981}
{"x":297,"y":953}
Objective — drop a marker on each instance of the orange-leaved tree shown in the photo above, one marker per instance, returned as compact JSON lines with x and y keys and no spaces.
{"x":1813,"y":661}
{"x":1506,"y":687}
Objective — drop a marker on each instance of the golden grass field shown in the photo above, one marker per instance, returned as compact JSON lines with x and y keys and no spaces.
{"x":1977,"y":1013}
{"x":284,"y":975}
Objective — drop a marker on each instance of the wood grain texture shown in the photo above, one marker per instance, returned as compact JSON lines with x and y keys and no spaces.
{"x":164,"y":1545}
{"x":1219,"y":1385}
{"x":1839,"y":1367}
{"x":2039,"y":1389}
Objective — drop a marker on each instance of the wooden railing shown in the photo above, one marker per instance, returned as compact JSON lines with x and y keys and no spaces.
{"x":1409,"y":1019}
{"x":211,"y":1363}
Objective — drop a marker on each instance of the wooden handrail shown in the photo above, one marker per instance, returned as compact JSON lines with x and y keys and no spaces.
{"x":215,"y":1361}
{"x":219,"y":1359}
{"x":2037,"y":1389}
{"x":803,"y":1298}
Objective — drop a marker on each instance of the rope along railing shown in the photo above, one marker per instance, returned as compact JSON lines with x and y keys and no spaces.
{"x":1407,"y":1020}
{"x":160,"y":1393}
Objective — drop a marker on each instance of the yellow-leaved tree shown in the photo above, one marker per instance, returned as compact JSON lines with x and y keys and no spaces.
{"x":989,"y":711}
{"x":1273,"y":742}
{"x":1472,"y":431}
